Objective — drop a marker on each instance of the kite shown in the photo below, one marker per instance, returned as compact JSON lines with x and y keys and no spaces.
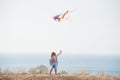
{"x":59,"y":17}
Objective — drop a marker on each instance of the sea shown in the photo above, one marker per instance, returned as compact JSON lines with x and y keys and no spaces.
{"x":70,"y":63}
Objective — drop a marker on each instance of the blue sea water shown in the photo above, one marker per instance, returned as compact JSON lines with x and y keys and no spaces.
{"x":108,"y":64}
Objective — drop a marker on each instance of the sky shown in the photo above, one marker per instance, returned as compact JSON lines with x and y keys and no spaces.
{"x":27,"y":26}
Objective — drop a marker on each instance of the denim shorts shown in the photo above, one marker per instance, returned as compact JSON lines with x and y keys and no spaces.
{"x":54,"y":65}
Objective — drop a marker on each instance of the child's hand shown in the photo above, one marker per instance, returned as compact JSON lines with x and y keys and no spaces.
{"x":60,"y":51}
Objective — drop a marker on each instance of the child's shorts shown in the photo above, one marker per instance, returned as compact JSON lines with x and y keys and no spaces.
{"x":54,"y":65}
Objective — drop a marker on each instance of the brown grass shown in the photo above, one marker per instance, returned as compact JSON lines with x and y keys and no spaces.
{"x":81,"y":76}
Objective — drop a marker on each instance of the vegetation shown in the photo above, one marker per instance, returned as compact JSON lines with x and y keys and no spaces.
{"x":41,"y":69}
{"x":39,"y":73}
{"x":63,"y":72}
{"x":58,"y":77}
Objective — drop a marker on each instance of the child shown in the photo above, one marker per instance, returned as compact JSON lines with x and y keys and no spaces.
{"x":54,"y":62}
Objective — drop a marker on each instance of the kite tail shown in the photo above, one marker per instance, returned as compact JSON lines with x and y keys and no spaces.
{"x":65,"y":14}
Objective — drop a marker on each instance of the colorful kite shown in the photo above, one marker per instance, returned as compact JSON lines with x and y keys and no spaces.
{"x":59,"y":17}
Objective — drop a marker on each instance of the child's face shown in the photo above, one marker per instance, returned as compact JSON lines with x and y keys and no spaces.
{"x":54,"y":57}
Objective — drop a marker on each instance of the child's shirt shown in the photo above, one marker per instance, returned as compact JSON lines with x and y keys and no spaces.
{"x":53,"y":61}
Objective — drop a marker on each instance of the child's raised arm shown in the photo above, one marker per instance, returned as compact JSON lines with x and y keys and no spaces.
{"x":60,"y":52}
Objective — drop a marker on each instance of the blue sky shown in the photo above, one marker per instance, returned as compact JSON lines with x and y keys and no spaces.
{"x":26,"y":26}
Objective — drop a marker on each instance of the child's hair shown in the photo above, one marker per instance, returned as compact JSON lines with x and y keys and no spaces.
{"x":53,"y":54}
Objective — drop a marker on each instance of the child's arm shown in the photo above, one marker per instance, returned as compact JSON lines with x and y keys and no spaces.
{"x":59,"y":53}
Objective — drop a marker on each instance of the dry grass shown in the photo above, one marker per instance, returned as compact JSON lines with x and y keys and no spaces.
{"x":81,"y":76}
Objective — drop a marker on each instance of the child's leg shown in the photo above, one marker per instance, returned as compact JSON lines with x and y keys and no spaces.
{"x":51,"y":70}
{"x":56,"y":71}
